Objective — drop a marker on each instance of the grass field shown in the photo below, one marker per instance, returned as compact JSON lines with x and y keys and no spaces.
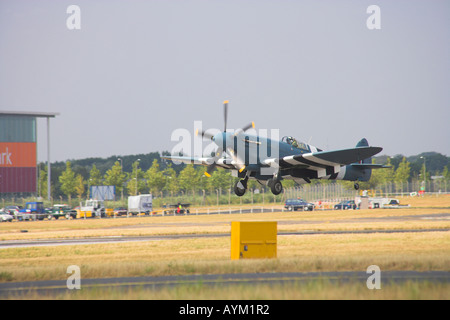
{"x":422,"y":251}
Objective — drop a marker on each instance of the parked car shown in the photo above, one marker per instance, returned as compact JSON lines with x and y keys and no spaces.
{"x":61,"y":210}
{"x":345,"y":205}
{"x":32,"y":210}
{"x":120,"y":211}
{"x":21,"y":216}
{"x":296,"y":204}
{"x":5,"y":217}
{"x":12,"y":210}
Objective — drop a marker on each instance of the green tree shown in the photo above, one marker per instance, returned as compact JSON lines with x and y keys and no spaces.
{"x":188,"y":179}
{"x":136,"y":177}
{"x":387,"y":174}
{"x":43,"y":192}
{"x":115,"y":177}
{"x":155,"y":178}
{"x":445,"y":178}
{"x":171,"y":180}
{"x":424,"y":174}
{"x":289,"y":183}
{"x":220,"y":179}
{"x":95,"y":177}
{"x":446,"y":174}
{"x":68,"y":181}
{"x":79,"y":186}
{"x":203,"y":181}
{"x":403,"y":172}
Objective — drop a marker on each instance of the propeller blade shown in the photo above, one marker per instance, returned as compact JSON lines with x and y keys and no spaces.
{"x":225,"y":115}
{"x":210,"y":169}
{"x":204,"y":134}
{"x":245,"y":128}
{"x":250,"y":125}
{"x":237,"y":162}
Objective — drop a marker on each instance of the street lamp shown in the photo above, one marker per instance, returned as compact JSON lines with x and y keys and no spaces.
{"x":424,"y":165}
{"x":137,"y":165}
{"x":121,"y":172}
{"x":424,"y":171}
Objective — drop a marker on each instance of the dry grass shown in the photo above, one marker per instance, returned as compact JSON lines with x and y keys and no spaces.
{"x":412,"y":251}
{"x":424,"y":251}
{"x":427,"y":201}
{"x":321,"y":289}
{"x":287,"y":221}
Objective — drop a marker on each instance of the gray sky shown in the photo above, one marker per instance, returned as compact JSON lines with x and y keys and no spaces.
{"x":138,"y":70}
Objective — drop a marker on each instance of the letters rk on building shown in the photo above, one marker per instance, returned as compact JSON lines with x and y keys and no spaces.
{"x":18,"y":173}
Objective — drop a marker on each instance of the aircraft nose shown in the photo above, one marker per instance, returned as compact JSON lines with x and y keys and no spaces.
{"x":217,"y":137}
{"x":220,"y":139}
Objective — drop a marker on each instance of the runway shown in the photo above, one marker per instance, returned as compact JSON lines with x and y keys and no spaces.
{"x":51,"y":287}
{"x":116,"y":239}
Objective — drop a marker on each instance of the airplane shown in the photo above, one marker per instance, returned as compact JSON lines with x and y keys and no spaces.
{"x":270,"y":161}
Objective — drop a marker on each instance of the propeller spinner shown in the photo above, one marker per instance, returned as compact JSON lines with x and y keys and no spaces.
{"x":236,"y":161}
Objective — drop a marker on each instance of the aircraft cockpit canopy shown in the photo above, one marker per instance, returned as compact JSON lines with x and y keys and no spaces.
{"x":296,"y":144}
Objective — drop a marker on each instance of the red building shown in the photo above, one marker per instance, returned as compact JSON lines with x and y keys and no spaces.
{"x":18,"y":160}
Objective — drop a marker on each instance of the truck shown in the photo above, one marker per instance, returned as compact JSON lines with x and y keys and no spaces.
{"x":61,"y":210}
{"x":92,"y":208}
{"x":32,"y":211}
{"x":385,"y":203}
{"x":140,"y":204}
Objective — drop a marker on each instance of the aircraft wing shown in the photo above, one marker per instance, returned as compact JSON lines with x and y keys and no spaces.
{"x":178,"y":204}
{"x":204,"y":161}
{"x":190,"y":160}
{"x":370,"y":166}
{"x":327,"y":162}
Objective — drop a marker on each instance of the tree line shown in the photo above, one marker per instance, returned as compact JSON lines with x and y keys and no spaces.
{"x":146,"y":173}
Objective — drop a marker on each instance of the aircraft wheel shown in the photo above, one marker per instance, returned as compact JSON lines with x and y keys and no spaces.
{"x":239,"y":191}
{"x":276,"y":187}
{"x":356,"y":186}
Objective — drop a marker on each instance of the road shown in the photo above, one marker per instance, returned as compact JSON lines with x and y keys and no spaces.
{"x":52,"y":287}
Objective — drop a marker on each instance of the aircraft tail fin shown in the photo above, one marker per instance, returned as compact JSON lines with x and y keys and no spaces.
{"x":364,"y":143}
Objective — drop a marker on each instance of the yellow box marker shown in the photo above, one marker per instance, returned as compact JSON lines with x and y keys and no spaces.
{"x":253,"y":239}
{"x":84,"y":214}
{"x":109,"y":212}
